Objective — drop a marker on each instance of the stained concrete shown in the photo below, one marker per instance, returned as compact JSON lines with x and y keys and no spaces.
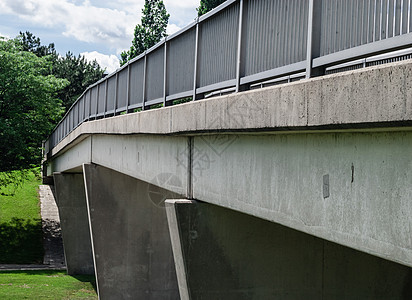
{"x":131,"y":242}
{"x":230,"y":255}
{"x":71,"y":201}
{"x":281,"y":178}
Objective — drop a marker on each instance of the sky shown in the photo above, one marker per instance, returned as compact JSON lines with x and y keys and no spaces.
{"x":97,"y":29}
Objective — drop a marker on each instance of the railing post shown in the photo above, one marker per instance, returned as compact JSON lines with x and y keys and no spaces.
{"x":165,"y":74}
{"x":196,"y":59}
{"x":115,"y":93}
{"x":144,"y":80}
{"x":105,"y":98}
{"x":239,"y":46}
{"x":128,"y":88}
{"x":314,"y":36}
{"x":97,"y":101}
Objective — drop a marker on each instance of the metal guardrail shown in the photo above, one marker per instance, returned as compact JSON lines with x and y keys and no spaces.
{"x":245,"y":44}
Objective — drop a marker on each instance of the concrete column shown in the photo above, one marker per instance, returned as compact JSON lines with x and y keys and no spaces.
{"x":71,"y":201}
{"x":224,"y":254}
{"x":131,"y":242}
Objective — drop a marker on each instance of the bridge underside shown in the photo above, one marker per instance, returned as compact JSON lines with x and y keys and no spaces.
{"x":218,"y":253}
{"x":290,"y":211}
{"x":257,"y":231}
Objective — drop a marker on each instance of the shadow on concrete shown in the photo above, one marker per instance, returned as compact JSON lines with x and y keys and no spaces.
{"x":21,"y":242}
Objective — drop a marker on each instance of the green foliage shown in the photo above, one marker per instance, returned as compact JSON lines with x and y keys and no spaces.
{"x":151,"y":30}
{"x":207,"y":5}
{"x":20,"y":221}
{"x":46,"y":284}
{"x":32,"y":44}
{"x":79,"y":72}
{"x":29,"y":106}
{"x":76,"y":69}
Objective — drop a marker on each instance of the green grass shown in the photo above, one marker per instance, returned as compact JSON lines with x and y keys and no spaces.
{"x":20,"y":222}
{"x":46,"y":284}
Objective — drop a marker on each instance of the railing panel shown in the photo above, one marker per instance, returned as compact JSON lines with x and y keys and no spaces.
{"x":92,"y":94}
{"x":81,"y":109}
{"x":351,"y":23}
{"x":218,"y":47}
{"x":180,"y":75}
{"x":101,"y":98}
{"x":154,"y":74}
{"x":122,"y":89}
{"x":75,"y":114}
{"x":275,"y":34}
{"x":86,"y":97}
{"x":136,"y":82}
{"x":111,"y":94}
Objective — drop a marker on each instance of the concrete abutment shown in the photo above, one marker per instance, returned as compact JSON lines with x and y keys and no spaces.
{"x":131,"y":242}
{"x":74,"y":221}
{"x":224,"y":254}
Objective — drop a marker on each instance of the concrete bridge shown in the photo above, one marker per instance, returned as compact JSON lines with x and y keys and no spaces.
{"x":297,"y":191}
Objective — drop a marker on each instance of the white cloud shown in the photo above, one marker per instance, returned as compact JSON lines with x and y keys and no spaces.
{"x":4,"y":37}
{"x":108,"y":62}
{"x":172,"y":28}
{"x":107,"y":23}
{"x":83,"y":21}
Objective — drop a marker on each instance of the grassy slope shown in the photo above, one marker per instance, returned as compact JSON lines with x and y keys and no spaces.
{"x":20,"y":224}
{"x":45,"y":285}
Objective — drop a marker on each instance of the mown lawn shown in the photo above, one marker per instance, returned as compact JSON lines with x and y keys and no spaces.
{"x":20,"y":223}
{"x":47,"y":284}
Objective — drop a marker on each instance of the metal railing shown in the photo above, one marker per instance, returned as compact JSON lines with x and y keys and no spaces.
{"x":245,"y":44}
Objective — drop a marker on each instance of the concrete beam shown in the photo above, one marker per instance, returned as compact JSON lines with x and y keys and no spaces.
{"x":131,"y":243}
{"x":350,"y":188}
{"x":223,"y":254}
{"x":74,"y":221}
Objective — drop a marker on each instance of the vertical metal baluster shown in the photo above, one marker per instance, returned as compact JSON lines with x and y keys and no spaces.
{"x":97,"y":102}
{"x":394,"y":18}
{"x":196,"y":60}
{"x":387,"y":18}
{"x":409,"y":17}
{"x":115,"y":93}
{"x":401,"y":20}
{"x":239,"y":46}
{"x":165,"y":74}
{"x":105,"y":99}
{"x":144,"y":80}
{"x":310,"y":40}
{"x":128,"y":88}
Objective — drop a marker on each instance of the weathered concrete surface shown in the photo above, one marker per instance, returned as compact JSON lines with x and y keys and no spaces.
{"x":281,"y":178}
{"x":248,"y":258}
{"x":71,"y":201}
{"x":379,"y":96}
{"x":131,"y":242}
{"x":146,"y":157}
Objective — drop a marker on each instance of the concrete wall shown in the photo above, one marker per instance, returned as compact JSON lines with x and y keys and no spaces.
{"x":131,"y":242}
{"x":71,"y":202}
{"x":230,"y":255}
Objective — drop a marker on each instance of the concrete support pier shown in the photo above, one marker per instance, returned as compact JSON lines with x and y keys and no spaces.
{"x":71,"y":201}
{"x":224,"y":254}
{"x":131,"y":242}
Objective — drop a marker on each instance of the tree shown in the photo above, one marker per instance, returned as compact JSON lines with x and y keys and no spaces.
{"x":29,"y":107}
{"x":77,"y":70}
{"x":32,"y":44}
{"x":151,"y":30}
{"x":207,"y":5}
